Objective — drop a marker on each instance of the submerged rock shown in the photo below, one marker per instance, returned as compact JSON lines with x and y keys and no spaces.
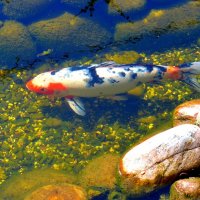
{"x":160,"y":159}
{"x":54,"y":192}
{"x":100,"y":172}
{"x":15,"y":44}
{"x":18,"y":187}
{"x":68,"y":33}
{"x":187,"y":113}
{"x":186,"y":189}
{"x":116,"y":6}
{"x":22,"y":9}
{"x":161,"y":21}
{"x":76,"y":3}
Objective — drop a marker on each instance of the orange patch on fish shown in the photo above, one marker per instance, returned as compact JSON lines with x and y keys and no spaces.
{"x":173,"y":72}
{"x":56,"y":86}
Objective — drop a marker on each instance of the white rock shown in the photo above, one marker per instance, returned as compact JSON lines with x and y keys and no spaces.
{"x":161,"y":158}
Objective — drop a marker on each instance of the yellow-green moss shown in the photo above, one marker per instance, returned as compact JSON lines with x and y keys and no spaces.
{"x":172,"y":19}
{"x":22,"y":9}
{"x":124,"y":57}
{"x":100,"y":172}
{"x":68,"y":33}
{"x":15,"y":42}
{"x":19,"y":186}
{"x":125,"y":5}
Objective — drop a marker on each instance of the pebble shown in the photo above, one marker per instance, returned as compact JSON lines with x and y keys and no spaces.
{"x":54,"y":192}
{"x":186,"y":189}
{"x":187,"y":113}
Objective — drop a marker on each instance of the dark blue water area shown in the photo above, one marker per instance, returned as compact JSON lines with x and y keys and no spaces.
{"x":159,"y":40}
{"x":151,"y":196}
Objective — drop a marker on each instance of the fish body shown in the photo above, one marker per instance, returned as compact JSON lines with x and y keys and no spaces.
{"x":106,"y":80}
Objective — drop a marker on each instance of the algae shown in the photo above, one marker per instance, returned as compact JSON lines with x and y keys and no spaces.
{"x":161,"y":21}
{"x":19,"y":186}
{"x":37,"y":133}
{"x":23,"y":9}
{"x":68,"y":33}
{"x":124,"y":57}
{"x":15,"y":44}
{"x":100,"y":172}
{"x":125,"y":5}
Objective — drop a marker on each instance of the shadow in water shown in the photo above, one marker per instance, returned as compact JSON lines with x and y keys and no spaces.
{"x":98,"y":111}
{"x":151,"y":196}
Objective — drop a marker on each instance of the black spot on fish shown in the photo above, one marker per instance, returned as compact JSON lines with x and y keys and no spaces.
{"x":111,"y":80}
{"x":127,"y":69}
{"x":134,"y":76}
{"x":122,"y":74}
{"x":149,"y":68}
{"x":95,"y":79}
{"x":53,"y":72}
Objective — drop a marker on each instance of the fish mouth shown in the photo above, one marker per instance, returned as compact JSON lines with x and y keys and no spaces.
{"x":30,"y":85}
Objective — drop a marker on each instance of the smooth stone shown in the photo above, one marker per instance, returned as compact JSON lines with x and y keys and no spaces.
{"x":159,"y":160}
{"x":100,"y":172}
{"x":23,"y":9}
{"x":22,"y":185}
{"x":68,"y":33}
{"x":177,"y":18}
{"x":54,"y":192}
{"x":75,"y":3}
{"x":187,"y":113}
{"x":125,"y":5}
{"x":186,"y":189}
{"x":15,"y":42}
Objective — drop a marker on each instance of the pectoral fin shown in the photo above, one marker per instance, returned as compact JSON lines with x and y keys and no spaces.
{"x":76,"y":105}
{"x":192,"y":81}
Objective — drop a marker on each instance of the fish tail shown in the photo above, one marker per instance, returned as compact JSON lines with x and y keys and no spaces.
{"x":191,"y":68}
{"x":188,"y":70}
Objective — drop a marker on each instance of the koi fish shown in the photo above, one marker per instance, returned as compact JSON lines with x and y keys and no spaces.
{"x":108,"y":79}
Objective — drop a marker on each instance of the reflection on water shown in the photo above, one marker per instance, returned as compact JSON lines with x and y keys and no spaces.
{"x":142,"y":26}
{"x":35,"y":132}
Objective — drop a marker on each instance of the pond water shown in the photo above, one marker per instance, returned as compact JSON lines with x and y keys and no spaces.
{"x":41,"y":137}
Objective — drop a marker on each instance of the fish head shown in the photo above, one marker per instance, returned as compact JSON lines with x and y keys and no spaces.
{"x":45,"y":84}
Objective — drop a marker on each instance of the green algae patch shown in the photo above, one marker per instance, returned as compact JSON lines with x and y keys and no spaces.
{"x":124,"y":57}
{"x":68,"y":32}
{"x":116,"y":6}
{"x":53,"y":122}
{"x":2,"y":175}
{"x":23,"y":9}
{"x":15,"y":43}
{"x":30,"y":140}
{"x":161,"y":21}
{"x":19,"y":186}
{"x":100,"y":172}
{"x":198,"y":42}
